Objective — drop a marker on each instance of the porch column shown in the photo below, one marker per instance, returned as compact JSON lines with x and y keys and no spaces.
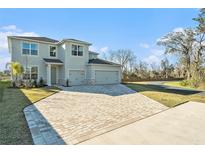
{"x":49,"y":74}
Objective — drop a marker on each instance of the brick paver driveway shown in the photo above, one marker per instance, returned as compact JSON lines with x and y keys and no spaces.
{"x":80,"y":113}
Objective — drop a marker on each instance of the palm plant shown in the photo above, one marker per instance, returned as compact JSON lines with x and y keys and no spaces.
{"x":16,"y":69}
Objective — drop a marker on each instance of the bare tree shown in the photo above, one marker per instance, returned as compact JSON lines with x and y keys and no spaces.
{"x":199,"y":45}
{"x":124,"y":57}
{"x":181,"y":44}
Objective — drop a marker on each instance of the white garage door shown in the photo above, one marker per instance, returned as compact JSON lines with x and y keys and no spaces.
{"x":106,"y":77}
{"x":76,"y":77}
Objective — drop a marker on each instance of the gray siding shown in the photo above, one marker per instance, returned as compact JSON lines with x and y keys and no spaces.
{"x":64,"y":53}
{"x":30,"y":60}
{"x":61,"y":56}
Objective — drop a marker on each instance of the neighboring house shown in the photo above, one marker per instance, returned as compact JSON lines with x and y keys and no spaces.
{"x":58,"y":61}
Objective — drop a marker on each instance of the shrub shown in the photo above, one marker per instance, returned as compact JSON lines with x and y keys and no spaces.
{"x":67,"y":83}
{"x":35,"y":83}
{"x":14,"y":84}
{"x":184,"y":83}
{"x":41,"y":82}
{"x":194,"y":83}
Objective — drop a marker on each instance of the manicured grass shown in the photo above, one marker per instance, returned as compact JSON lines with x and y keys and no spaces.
{"x":168,"y":97}
{"x":13,"y":126}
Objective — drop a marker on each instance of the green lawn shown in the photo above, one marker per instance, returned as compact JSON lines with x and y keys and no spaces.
{"x":168,"y":97}
{"x":13,"y":126}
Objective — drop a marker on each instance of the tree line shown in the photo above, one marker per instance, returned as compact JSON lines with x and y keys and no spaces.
{"x":187,"y":45}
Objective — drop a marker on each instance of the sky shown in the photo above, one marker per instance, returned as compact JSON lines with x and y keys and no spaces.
{"x":107,"y":29}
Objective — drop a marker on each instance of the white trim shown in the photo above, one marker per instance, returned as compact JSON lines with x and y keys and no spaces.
{"x":49,"y":63}
{"x":77,"y":51}
{"x":111,"y":65}
{"x":29,"y":55}
{"x":56,"y":51}
{"x":48,"y":70}
{"x":57,"y":75}
{"x":72,"y":41}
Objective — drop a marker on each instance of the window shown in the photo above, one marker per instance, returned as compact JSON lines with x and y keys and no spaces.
{"x":80,"y":51}
{"x":34,"y":49}
{"x":31,"y":73}
{"x":52,"y":51}
{"x":74,"y":50}
{"x":26,"y":74}
{"x":29,"y":49}
{"x":34,"y":73}
{"x":26,"y":49}
{"x":77,"y":50}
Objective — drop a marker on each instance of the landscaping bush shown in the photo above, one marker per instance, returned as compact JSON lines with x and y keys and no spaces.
{"x":184,"y":83}
{"x":35,"y":83}
{"x":67,"y":83}
{"x":194,"y":83}
{"x":28,"y":84}
{"x":41,"y":82}
{"x":14,"y":84}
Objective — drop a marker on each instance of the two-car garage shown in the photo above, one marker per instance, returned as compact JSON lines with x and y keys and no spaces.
{"x":96,"y":72}
{"x":77,"y":77}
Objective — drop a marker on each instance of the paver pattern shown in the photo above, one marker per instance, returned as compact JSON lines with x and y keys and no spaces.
{"x":82,"y":112}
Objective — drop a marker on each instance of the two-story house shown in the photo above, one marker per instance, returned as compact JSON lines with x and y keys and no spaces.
{"x":58,"y":61}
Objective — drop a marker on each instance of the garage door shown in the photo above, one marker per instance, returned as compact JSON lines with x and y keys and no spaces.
{"x":106,"y":77}
{"x":76,"y":77}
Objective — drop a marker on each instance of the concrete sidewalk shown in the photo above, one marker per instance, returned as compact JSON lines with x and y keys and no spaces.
{"x":184,"y":124}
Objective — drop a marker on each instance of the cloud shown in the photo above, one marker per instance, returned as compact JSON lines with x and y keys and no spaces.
{"x":157,"y":52}
{"x":152,"y":59}
{"x":144,"y":45}
{"x":3,"y":61}
{"x":93,"y":48}
{"x":5,"y":31}
{"x":104,"y":49}
{"x":178,"y":29}
{"x":155,"y":57}
{"x":99,"y":50}
{"x":10,"y":28}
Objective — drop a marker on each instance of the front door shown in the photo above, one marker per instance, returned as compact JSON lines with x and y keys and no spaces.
{"x":53,"y":75}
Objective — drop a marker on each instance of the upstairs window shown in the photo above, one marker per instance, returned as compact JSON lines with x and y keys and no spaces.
{"x":26,"y":49}
{"x":34,"y":49}
{"x":52,"y":51}
{"x":80,"y":51}
{"x":77,"y":50}
{"x":30,"y":49}
{"x":74,"y":50}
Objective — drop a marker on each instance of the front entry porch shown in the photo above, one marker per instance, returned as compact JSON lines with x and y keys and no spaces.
{"x":52,"y":74}
{"x":53,"y":66}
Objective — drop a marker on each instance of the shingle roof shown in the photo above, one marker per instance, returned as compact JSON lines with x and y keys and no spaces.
{"x":53,"y":60}
{"x":101,"y":61}
{"x":92,"y":52}
{"x":45,"y":39}
{"x":75,"y":40}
